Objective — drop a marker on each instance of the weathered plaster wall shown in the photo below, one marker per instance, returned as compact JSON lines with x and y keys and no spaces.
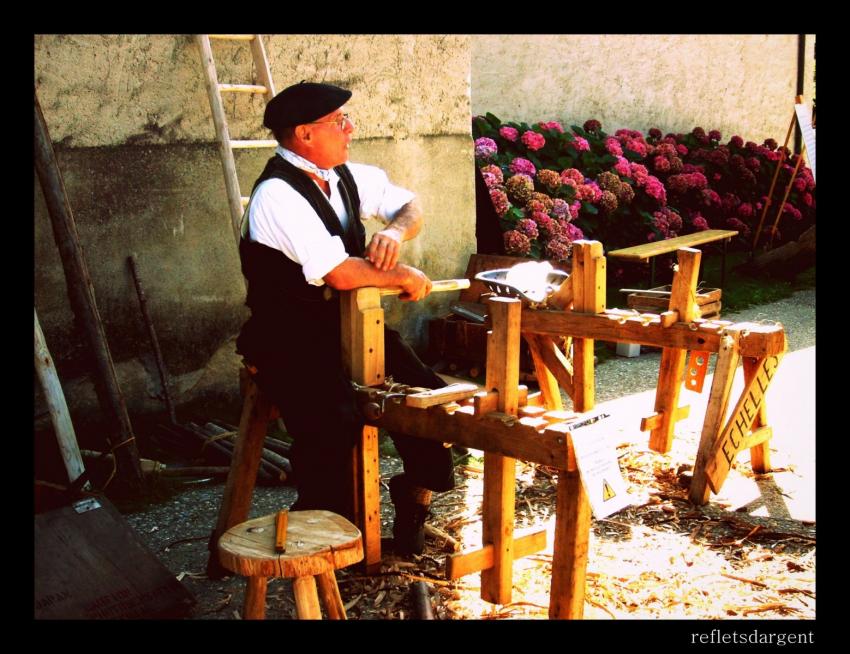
{"x":134,"y":137}
{"x":739,"y":84}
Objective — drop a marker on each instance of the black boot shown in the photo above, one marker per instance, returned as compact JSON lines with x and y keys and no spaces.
{"x":410,"y":515}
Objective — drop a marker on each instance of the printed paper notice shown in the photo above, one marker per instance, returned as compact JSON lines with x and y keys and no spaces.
{"x":600,"y":472}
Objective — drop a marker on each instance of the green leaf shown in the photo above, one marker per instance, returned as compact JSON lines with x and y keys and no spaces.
{"x":493,"y":120}
{"x":587,"y":207}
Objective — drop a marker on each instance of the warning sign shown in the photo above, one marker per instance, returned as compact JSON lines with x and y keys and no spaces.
{"x":600,"y":472}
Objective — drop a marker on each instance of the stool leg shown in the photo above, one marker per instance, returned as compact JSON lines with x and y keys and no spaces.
{"x":306,"y":598}
{"x":329,"y":592}
{"x":255,"y":599}
{"x":239,"y":490}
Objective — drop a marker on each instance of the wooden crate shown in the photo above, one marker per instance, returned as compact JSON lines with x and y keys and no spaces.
{"x":708,"y":301}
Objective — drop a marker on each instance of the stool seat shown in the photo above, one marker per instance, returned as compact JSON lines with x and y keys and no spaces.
{"x":317,"y":543}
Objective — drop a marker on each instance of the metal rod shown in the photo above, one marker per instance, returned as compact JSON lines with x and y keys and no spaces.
{"x":160,"y":363}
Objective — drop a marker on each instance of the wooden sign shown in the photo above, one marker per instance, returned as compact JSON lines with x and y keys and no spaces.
{"x":733,"y":438}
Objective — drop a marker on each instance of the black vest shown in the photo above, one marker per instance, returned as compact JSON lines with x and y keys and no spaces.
{"x":285,"y":309}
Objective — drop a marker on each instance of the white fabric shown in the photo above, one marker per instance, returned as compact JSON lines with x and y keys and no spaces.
{"x":304,"y":164}
{"x":279,"y":217}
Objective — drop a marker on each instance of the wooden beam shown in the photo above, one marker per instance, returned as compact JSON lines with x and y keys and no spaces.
{"x":119,"y":433}
{"x":759,"y":451}
{"x":733,"y":437}
{"x":613,"y":325}
{"x":588,"y":298}
{"x":500,"y":471}
{"x":362,"y":334}
{"x":497,"y":432}
{"x":60,"y":417}
{"x":654,"y":421}
{"x":569,"y":559}
{"x":554,"y":364}
{"x":721,"y":385}
{"x":471,"y":561}
{"x":443,"y":395}
{"x":683,"y":302}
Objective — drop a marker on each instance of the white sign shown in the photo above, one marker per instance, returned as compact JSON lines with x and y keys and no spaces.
{"x":603,"y":482}
{"x":804,"y":118}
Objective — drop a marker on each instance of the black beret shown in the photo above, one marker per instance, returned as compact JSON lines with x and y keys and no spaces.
{"x":303,"y":103}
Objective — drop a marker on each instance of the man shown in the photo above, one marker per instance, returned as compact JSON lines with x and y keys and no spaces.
{"x":302,"y":242}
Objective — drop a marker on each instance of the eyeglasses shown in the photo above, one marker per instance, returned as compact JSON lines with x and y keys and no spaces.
{"x":340,"y":121}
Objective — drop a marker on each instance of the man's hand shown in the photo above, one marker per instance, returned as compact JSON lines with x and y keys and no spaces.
{"x":415,"y":286}
{"x":384,"y":248}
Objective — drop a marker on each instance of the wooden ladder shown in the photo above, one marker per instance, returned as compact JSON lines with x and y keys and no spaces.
{"x":235,"y":200}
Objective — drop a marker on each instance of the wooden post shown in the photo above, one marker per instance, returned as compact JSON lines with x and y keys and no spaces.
{"x":715,"y":414}
{"x":500,"y":471}
{"x":682,"y":301}
{"x":242,"y":477}
{"x":588,"y":297}
{"x":759,"y":454}
{"x":545,"y":379}
{"x":84,"y":306}
{"x":363,"y":357}
{"x":59,"y":416}
{"x":569,"y":556}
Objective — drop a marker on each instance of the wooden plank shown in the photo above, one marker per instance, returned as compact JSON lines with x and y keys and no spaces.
{"x":654,"y":421}
{"x":363,"y":335}
{"x":449,"y":393}
{"x":648,"y":250}
{"x":673,"y":360}
{"x":721,"y":385}
{"x":500,"y":471}
{"x":734,"y":434}
{"x":472,"y":561}
{"x":569,"y":558}
{"x":90,"y":564}
{"x":370,"y":498}
{"x":588,"y":298}
{"x":495,"y":431}
{"x":60,"y":417}
{"x":760,"y":340}
{"x":759,"y":452}
{"x":552,"y":363}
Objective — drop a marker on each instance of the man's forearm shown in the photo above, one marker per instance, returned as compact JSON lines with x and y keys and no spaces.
{"x":355,"y":272}
{"x":408,"y":220}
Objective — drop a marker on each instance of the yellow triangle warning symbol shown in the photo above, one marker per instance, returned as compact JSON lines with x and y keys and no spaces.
{"x":607,"y":491}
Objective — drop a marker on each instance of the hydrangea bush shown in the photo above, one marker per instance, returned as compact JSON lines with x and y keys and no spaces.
{"x":550,"y":185}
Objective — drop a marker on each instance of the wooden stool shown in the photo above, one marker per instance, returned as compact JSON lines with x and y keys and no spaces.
{"x":317,"y":543}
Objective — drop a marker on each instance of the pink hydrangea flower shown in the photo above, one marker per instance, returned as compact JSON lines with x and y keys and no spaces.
{"x":580,"y":144}
{"x":639,"y":173}
{"x":613,"y":146}
{"x":508,"y":133}
{"x":699,"y":222}
{"x":485,"y":147}
{"x":622,"y":167}
{"x":500,"y":202}
{"x":575,"y":207}
{"x":573,"y":233}
{"x":655,"y":189}
{"x":558,"y":250}
{"x":682,"y":149}
{"x":574,"y":174}
{"x":516,"y":243}
{"x":533,"y":140}
{"x":521,"y":166}
{"x":736,"y":142}
{"x":560,"y":208}
{"x":495,"y":171}
{"x":528,"y":227}
{"x":552,"y":124}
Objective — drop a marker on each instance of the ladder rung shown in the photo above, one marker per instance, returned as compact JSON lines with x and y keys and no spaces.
{"x":232,"y":37}
{"x":242,"y":88}
{"x":270,"y":143}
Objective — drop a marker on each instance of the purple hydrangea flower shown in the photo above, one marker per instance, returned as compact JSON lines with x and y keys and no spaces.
{"x":485,"y":148}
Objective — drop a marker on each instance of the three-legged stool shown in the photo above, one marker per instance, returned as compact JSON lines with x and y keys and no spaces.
{"x":317,"y":543}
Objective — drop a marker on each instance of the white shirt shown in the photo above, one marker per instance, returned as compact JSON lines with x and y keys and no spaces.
{"x":280,"y":218}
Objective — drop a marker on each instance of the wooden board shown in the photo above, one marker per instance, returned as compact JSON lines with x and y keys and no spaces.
{"x":648,"y":250}
{"x":91,"y":565}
